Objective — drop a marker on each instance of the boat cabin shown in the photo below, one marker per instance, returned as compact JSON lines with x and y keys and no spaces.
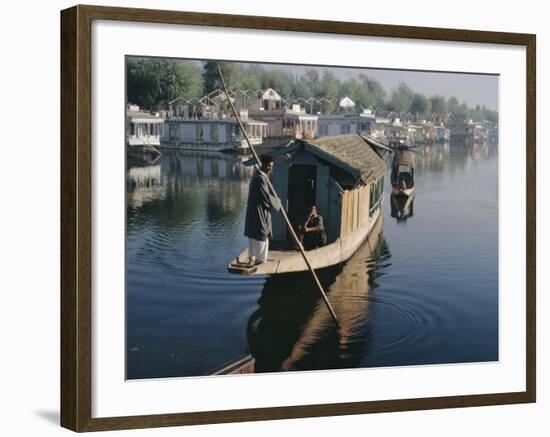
{"x":403,"y":167}
{"x":342,"y":176}
{"x":142,"y":128}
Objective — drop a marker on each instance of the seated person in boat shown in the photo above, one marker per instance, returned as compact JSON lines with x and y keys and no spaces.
{"x":261,"y":201}
{"x":314,"y":234}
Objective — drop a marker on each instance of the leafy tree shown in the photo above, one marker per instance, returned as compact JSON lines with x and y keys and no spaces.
{"x":439,"y":105}
{"x":452,"y":104}
{"x":309,"y":85}
{"x":462,"y":112}
{"x":232,"y":74}
{"x":377,"y":94}
{"x":329,"y":86}
{"x":401,"y":98}
{"x":282,"y":82}
{"x":421,"y":106}
{"x":152,"y":82}
{"x":251,"y":78}
{"x":492,"y":116}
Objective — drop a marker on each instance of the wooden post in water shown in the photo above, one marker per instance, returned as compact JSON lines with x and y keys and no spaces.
{"x":282,"y":210}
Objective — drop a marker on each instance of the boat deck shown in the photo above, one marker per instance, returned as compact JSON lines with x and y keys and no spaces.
{"x":289,"y":261}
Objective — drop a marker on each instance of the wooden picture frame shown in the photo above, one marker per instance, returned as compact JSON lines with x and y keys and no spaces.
{"x":76,"y":217}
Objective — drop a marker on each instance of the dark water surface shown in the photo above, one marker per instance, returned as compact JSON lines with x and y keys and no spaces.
{"x":423,"y":290}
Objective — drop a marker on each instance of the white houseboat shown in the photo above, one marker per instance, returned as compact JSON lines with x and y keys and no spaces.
{"x":338,"y":124}
{"x":212,"y":134}
{"x":143,"y":133}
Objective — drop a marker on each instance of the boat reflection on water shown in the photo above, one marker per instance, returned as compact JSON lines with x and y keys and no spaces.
{"x":292,"y":328}
{"x":402,"y":207}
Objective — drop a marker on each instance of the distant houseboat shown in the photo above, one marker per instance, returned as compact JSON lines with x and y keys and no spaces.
{"x":344,"y":177}
{"x":423,"y":133}
{"x":338,"y":124}
{"x":468,"y":133}
{"x":442,"y":134}
{"x":284,"y":124}
{"x":143,"y":132}
{"x":402,"y":181}
{"x":212,"y":134}
{"x":371,"y":125}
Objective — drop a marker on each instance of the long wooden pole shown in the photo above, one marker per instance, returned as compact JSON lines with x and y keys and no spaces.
{"x":281,"y":210}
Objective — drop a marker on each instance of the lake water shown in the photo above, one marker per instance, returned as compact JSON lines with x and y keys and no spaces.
{"x":423,"y":291}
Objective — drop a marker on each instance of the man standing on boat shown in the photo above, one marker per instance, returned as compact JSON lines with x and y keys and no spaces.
{"x":258,"y":212}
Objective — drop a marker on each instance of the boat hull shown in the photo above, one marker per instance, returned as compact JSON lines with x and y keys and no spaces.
{"x":407,"y":192}
{"x":288,"y":261}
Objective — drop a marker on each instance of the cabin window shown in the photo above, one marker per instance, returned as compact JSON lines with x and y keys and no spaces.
{"x":132,"y":129}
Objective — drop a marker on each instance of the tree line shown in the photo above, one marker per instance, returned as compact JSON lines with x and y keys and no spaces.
{"x":153,"y":82}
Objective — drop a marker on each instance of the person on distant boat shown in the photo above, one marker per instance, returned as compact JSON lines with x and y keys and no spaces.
{"x":314,"y":230}
{"x":261,"y":201}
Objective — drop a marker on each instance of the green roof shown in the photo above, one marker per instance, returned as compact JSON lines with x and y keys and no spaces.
{"x":352,"y":153}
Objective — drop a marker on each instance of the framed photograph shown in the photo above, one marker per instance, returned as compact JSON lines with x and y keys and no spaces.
{"x":268,"y":218}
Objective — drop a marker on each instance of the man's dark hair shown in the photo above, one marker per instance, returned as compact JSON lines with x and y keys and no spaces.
{"x":266,"y":159}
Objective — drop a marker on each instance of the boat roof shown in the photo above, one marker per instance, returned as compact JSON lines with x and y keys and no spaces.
{"x":144,"y":117}
{"x":351,"y":153}
{"x":404,"y":157}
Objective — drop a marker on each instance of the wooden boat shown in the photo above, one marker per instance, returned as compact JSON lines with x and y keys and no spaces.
{"x":403,"y":168}
{"x":241,"y":365}
{"x":344,"y":177}
{"x":402,"y":205}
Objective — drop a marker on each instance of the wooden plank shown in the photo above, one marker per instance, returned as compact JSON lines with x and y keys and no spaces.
{"x":357,"y":208}
{"x":69,"y":229}
{"x":239,"y":366}
{"x":361,"y":216}
{"x":350,"y":210}
{"x":343,"y":222}
{"x":366,"y":198}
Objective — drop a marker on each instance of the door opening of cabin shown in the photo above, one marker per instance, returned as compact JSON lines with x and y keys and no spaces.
{"x":301,"y":192}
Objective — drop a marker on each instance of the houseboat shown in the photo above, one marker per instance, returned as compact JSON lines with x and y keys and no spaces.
{"x":285,"y":124}
{"x":343,"y":176}
{"x":212,"y":134}
{"x":403,"y":167}
{"x":423,"y":132}
{"x":442,"y":134}
{"x":371,"y":125}
{"x":468,"y":133}
{"x":143,"y":132}
{"x":337,"y":124}
{"x":402,"y":181}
